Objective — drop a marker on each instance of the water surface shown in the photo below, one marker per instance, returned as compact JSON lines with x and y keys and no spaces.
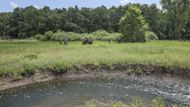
{"x":62,"y":93}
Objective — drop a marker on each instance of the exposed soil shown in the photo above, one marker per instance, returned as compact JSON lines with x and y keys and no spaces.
{"x":90,"y":70}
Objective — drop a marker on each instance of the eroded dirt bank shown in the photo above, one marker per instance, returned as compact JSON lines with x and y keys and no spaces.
{"x":131,"y":71}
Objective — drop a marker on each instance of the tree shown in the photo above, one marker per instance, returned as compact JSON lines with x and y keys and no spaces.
{"x":133,"y":26}
{"x":187,"y":27}
{"x":151,"y":14}
{"x":177,"y":15}
{"x":4,"y":25}
{"x":28,"y":26}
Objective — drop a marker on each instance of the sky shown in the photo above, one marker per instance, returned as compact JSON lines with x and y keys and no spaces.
{"x":9,"y":5}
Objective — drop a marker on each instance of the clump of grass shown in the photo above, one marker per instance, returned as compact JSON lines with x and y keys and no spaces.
{"x":31,"y":56}
{"x":137,"y":102}
{"x":158,"y":102}
{"x":91,"y":103}
{"x":138,"y":70}
{"x":119,"y":104}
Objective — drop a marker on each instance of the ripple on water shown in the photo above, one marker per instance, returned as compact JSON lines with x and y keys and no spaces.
{"x":76,"y":92}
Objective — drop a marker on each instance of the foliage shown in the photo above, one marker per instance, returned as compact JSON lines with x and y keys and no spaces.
{"x":104,"y":35}
{"x":158,"y":102}
{"x":137,"y":102}
{"x":100,"y":33}
{"x":151,"y":36}
{"x":170,"y":22}
{"x":60,"y":35}
{"x":133,"y":26}
{"x":48,"y":35}
{"x":176,"y":13}
{"x":119,"y":104}
{"x":41,"y":37}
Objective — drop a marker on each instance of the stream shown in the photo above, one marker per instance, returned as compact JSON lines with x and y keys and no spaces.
{"x":71,"y":93}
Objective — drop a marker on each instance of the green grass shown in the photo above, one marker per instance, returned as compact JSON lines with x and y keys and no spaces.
{"x":18,"y":57}
{"x":136,"y":102}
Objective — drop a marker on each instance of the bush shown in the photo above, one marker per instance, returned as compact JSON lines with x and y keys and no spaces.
{"x":151,"y":36}
{"x":104,"y":35}
{"x":73,"y":36}
{"x":44,"y":37}
{"x":88,"y":36}
{"x":100,"y":33}
{"x":48,"y":35}
{"x":133,"y":26}
{"x":6,"y":37}
{"x":41,"y":37}
{"x":60,"y":35}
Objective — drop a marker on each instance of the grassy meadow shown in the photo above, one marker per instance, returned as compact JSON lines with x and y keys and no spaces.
{"x":17,"y":57}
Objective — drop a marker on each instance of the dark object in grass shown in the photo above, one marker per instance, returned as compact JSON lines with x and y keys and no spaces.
{"x":61,"y":42}
{"x":109,"y":41}
{"x":87,"y":41}
{"x":66,"y":41}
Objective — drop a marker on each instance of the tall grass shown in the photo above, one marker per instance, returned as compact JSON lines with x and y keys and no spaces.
{"x":20,"y":57}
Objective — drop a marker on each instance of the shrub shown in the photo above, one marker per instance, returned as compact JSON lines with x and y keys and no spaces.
{"x":48,"y":35}
{"x":73,"y":36}
{"x":100,"y":33}
{"x":114,"y":36}
{"x":104,"y":35}
{"x":151,"y":36}
{"x":133,"y":26}
{"x":88,"y":36}
{"x":41,"y":37}
{"x":60,"y":35}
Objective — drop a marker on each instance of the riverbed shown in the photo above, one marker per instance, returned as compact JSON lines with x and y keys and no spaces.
{"x":75,"y":92}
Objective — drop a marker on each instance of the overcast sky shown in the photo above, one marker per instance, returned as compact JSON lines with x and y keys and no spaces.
{"x":9,"y":5}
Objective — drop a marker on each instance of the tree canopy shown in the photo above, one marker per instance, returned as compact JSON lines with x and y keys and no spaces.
{"x":133,"y":25}
{"x":170,"y":22}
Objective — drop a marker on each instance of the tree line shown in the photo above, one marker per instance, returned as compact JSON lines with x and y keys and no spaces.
{"x":170,"y":22}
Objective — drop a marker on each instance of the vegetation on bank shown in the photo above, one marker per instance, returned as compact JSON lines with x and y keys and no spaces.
{"x":136,"y":102}
{"x":27,"y":57}
{"x":168,"y":22}
{"x":133,"y":26}
{"x":100,"y":35}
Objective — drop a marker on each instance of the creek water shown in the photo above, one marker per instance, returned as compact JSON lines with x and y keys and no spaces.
{"x":71,"y":93}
